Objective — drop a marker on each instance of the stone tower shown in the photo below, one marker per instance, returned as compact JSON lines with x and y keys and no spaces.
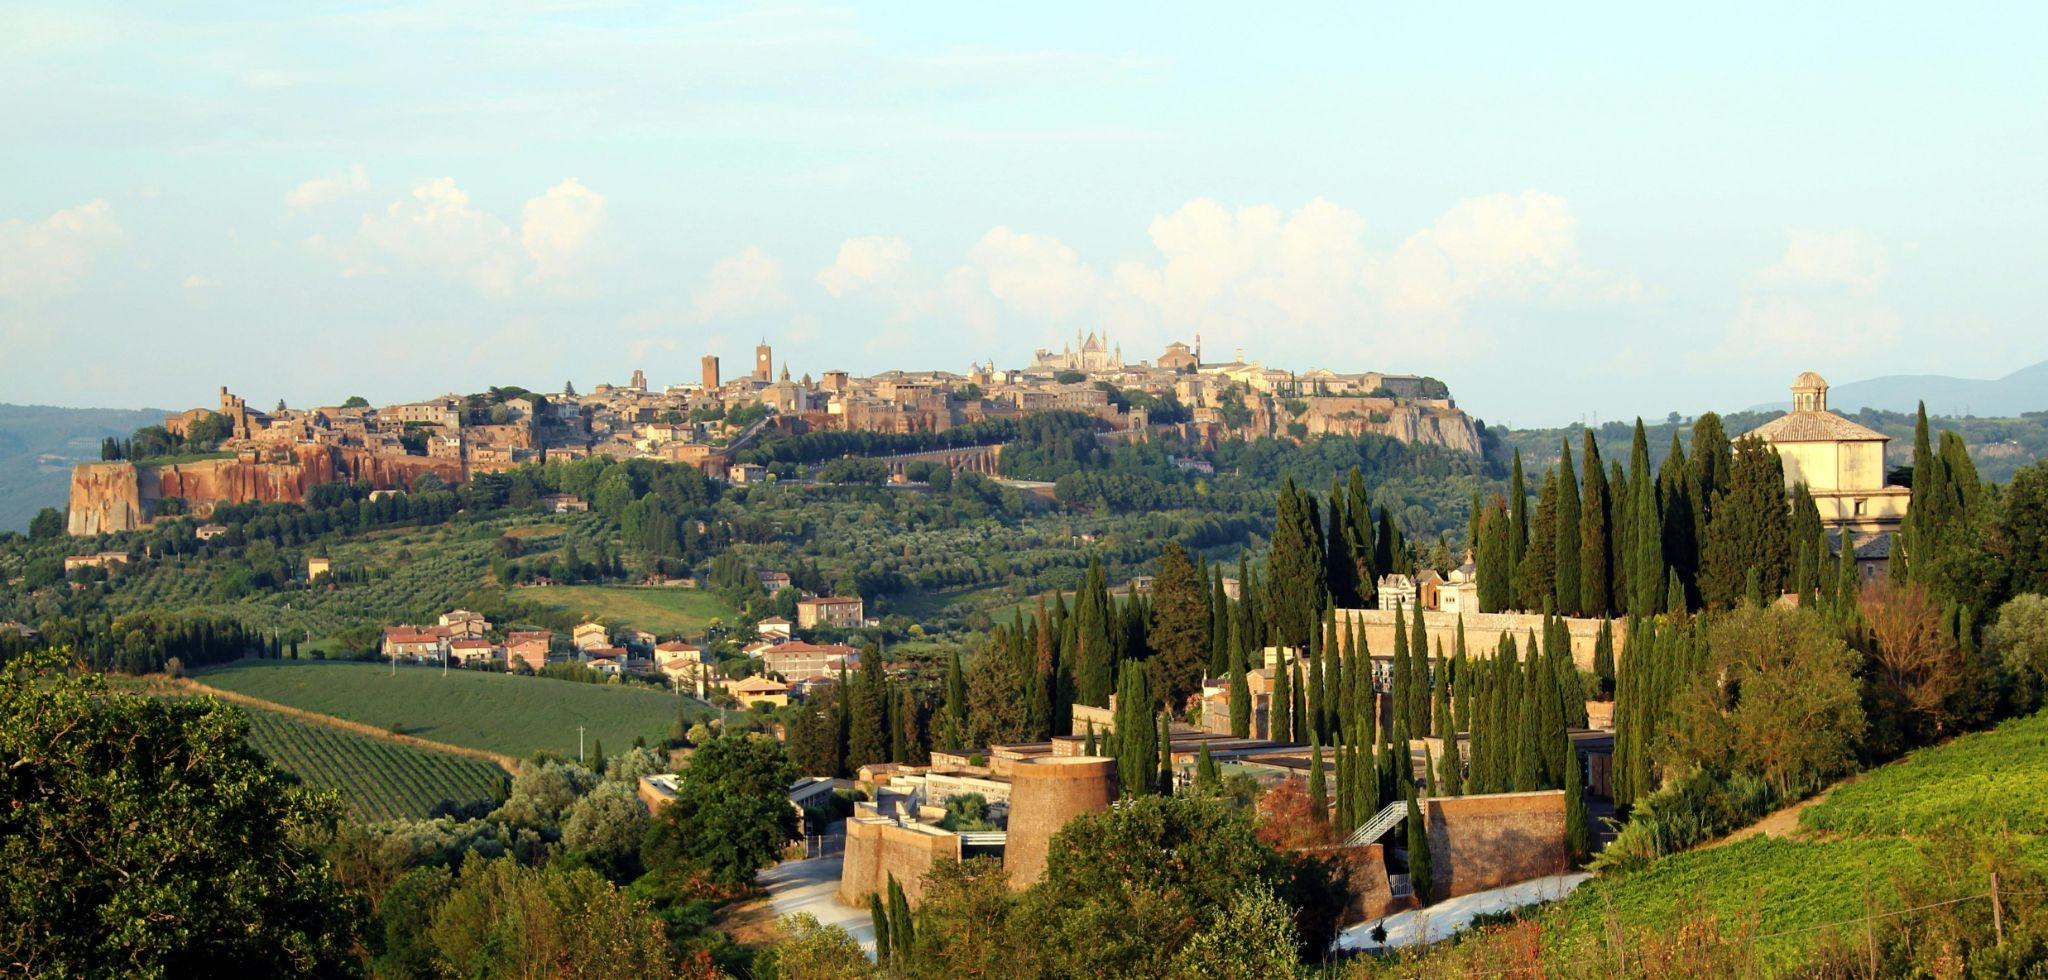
{"x":711,"y":372}
{"x":1044,"y":795}
{"x":764,"y":363}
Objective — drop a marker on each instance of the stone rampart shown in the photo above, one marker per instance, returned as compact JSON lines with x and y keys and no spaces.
{"x":1492,"y":840}
{"x":108,"y":497}
{"x":1482,"y":631}
{"x":877,"y":849}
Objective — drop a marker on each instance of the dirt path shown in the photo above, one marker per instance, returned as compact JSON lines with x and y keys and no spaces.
{"x":505,"y":762}
{"x":1783,"y":822}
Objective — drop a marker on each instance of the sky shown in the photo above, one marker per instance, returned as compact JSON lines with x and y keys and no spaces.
{"x":1565,"y":211}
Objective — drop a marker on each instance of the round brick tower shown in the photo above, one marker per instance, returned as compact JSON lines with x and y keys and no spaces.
{"x":1044,"y":795}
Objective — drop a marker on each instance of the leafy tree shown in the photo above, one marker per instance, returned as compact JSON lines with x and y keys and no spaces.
{"x":963,"y":923}
{"x":505,"y":920}
{"x":355,"y":401}
{"x":48,"y":523}
{"x":1126,"y":889}
{"x":1254,"y":937}
{"x":606,"y":827}
{"x":819,"y":952}
{"x":731,"y":814}
{"x":2019,"y":639}
{"x":145,"y":836}
{"x":1777,"y":698}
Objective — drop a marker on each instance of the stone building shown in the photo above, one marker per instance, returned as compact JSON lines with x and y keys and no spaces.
{"x":1841,"y":463}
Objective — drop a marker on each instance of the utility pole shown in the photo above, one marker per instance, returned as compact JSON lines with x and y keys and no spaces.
{"x":579,"y":744}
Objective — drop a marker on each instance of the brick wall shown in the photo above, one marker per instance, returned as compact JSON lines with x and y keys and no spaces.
{"x":1487,"y":841}
{"x":876,"y":850}
{"x":1482,"y":631}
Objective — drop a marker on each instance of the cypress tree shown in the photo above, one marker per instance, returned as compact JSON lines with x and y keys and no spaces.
{"x":878,"y":917}
{"x":1646,"y":546}
{"x":1596,"y":585}
{"x":1362,"y":540}
{"x":1208,"y":777}
{"x":1492,"y":560}
{"x":1578,"y":837}
{"x":1297,"y":708}
{"x":1318,"y":793}
{"x":1340,"y":570}
{"x":1279,"y":722}
{"x":1166,"y":753}
{"x":1088,"y":747}
{"x":1137,"y":753}
{"x":1094,"y":663}
{"x":902,"y":926}
{"x":1399,"y":677}
{"x":1314,"y":694}
{"x":1417,"y":706}
{"x":1440,"y":701}
{"x":1452,"y":781}
{"x":955,"y":710}
{"x":1418,"y":854}
{"x":1674,"y":496}
{"x":1567,"y":572}
{"x":1219,"y":624}
{"x":1536,"y":577}
{"x":1518,"y":525}
{"x":1428,"y":772}
{"x":1603,"y":656}
{"x":1294,"y":570}
{"x":1529,"y":749}
{"x":1240,"y":697}
{"x":1750,"y":528}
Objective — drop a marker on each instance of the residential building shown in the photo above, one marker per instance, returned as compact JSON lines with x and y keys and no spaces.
{"x":412,"y":643}
{"x":761,"y":690}
{"x":773,"y":628}
{"x":842,"y":612}
{"x":590,"y":636}
{"x":797,"y":661}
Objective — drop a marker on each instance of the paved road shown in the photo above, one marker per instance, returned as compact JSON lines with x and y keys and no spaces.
{"x":812,"y":885}
{"x":1445,"y":918}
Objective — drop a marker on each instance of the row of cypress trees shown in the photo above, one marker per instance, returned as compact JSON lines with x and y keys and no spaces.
{"x":1601,"y":539}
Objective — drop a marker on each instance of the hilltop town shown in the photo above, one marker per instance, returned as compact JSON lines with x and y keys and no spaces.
{"x":710,"y":420}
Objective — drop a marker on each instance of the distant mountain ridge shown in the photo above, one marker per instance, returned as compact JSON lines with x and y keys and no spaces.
{"x":2023,"y":391}
{"x":38,"y":446}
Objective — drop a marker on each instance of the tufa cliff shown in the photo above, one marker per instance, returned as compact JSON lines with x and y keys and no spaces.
{"x":121,"y":496}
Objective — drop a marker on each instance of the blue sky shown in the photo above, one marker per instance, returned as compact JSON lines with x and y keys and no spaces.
{"x":1587,"y":210}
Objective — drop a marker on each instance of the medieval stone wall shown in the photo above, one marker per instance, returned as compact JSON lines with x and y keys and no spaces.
{"x":1482,"y":631}
{"x":1492,"y":840}
{"x":877,"y":849}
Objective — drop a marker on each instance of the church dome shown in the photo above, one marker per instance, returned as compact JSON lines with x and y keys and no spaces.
{"x":1809,"y":379}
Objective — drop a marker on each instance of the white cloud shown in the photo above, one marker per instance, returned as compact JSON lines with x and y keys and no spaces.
{"x":1846,"y":258}
{"x":559,"y":226}
{"x":51,"y":256}
{"x":745,"y":283}
{"x":334,"y":187}
{"x":437,"y":229}
{"x":1254,"y":276}
{"x":1821,"y":299}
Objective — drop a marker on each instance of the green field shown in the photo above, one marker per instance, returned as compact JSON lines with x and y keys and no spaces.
{"x":667,"y":612}
{"x":377,"y":780}
{"x":502,"y":713}
{"x":1997,"y":778}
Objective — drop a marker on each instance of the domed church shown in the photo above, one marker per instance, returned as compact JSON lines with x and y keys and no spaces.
{"x":1841,"y":462}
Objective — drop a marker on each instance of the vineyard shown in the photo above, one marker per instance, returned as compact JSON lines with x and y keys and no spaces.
{"x":377,"y":780}
{"x":492,"y":711}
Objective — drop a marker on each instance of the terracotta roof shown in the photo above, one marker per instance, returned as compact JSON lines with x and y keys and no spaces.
{"x":1815,"y":427}
{"x":760,"y":684}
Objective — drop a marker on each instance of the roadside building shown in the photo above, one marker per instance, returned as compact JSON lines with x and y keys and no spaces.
{"x":841,"y":612}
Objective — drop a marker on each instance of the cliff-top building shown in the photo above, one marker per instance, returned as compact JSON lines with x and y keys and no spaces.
{"x":1841,"y":463}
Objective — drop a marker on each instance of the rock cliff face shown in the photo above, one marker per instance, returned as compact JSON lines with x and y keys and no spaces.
{"x":1432,"y":423}
{"x":121,"y":496}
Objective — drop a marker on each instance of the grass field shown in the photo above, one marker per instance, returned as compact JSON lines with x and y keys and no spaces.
{"x":377,"y":780}
{"x":683,"y":612}
{"x":502,"y":713}
{"x":1997,"y":778}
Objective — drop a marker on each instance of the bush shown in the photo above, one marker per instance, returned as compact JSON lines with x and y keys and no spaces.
{"x":1684,"y":813}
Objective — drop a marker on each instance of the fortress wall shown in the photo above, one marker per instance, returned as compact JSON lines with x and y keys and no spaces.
{"x":1482,"y":631}
{"x":876,"y":850}
{"x":1492,"y":840}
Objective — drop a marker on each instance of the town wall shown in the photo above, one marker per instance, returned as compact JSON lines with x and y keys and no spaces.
{"x":877,"y":849}
{"x":1482,"y":631}
{"x":1492,"y":840}
{"x":1044,"y":795}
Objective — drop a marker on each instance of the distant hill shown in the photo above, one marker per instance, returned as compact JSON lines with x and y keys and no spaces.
{"x":2016,"y":394}
{"x":39,"y":445}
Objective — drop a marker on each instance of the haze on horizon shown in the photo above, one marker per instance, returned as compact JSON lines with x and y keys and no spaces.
{"x":1605,"y":209}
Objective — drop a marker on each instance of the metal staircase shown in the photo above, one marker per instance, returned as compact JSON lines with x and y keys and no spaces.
{"x":1389,"y":817}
